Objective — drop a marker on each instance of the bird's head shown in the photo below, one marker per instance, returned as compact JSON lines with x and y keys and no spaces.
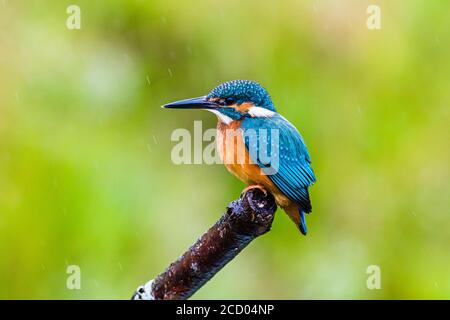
{"x":232,"y":100}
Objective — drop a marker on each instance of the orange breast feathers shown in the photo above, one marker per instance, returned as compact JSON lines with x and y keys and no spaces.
{"x":235,"y":156}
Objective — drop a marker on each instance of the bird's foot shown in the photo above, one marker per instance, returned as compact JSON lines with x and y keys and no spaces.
{"x":255,"y":186}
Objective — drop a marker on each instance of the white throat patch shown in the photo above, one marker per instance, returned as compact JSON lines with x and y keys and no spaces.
{"x":223,"y":118}
{"x":259,"y":112}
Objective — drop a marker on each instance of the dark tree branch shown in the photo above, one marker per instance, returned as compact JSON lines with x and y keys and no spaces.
{"x":245,"y":219}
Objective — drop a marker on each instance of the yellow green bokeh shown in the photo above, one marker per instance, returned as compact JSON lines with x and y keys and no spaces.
{"x":86,"y":176}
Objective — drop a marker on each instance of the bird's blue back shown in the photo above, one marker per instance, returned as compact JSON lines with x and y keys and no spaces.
{"x":294,"y":174}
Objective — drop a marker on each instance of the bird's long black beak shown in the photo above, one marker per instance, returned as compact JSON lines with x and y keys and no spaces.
{"x":194,"y":103}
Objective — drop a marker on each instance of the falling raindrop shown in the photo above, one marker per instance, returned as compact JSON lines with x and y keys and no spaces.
{"x":148,"y":80}
{"x":436,"y":38}
{"x":359,"y":110}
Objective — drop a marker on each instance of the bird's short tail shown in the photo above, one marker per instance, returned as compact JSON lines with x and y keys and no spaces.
{"x":302,"y":224}
{"x":298,"y":216}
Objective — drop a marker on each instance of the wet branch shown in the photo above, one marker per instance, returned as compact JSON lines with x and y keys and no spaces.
{"x":245,"y":219}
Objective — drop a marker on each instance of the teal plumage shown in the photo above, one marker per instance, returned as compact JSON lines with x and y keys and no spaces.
{"x":294,"y":174}
{"x":241,"y":91}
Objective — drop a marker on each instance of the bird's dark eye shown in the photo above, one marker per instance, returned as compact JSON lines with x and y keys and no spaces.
{"x":229,"y":101}
{"x":225,"y":101}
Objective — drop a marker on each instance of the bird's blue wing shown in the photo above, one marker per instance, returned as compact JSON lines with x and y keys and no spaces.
{"x":293,"y":173}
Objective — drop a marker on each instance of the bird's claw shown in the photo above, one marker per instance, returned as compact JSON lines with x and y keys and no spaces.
{"x":255,"y":186}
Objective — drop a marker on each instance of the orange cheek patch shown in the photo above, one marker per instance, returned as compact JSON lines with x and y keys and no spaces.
{"x":244,"y":107}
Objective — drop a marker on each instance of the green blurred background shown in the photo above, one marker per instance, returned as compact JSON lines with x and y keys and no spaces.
{"x":86,"y":176}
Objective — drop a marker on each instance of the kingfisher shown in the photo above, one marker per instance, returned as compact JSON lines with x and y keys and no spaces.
{"x":284,"y":169}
